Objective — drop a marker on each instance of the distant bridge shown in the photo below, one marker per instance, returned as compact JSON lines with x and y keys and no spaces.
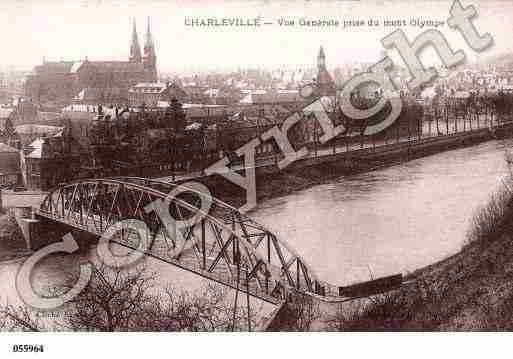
{"x":225,"y":246}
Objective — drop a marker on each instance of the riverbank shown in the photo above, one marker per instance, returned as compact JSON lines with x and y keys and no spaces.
{"x":314,"y":170}
{"x":469,"y":291}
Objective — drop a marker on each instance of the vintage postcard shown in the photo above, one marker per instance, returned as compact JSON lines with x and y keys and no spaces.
{"x":252,"y":166}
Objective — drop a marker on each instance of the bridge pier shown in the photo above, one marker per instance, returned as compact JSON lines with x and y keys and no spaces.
{"x":39,"y":231}
{"x":28,"y":225}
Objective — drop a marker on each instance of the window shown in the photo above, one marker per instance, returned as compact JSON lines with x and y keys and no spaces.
{"x":35,"y":168}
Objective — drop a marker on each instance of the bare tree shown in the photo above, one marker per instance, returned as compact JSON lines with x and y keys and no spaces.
{"x":129,"y":300}
{"x":298,"y":314}
{"x":210,"y":310}
{"x":346,"y":313}
{"x":114,"y":300}
{"x":19,"y":318}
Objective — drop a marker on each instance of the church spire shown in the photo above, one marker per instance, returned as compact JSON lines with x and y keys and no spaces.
{"x":135,"y":49}
{"x":321,"y":59}
{"x":149,"y":47}
{"x":325,"y":84}
{"x":150,"y":56}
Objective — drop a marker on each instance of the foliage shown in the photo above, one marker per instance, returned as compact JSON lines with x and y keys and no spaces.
{"x":129,"y":300}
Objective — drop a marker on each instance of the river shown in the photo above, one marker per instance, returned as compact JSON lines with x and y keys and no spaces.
{"x":391,"y":220}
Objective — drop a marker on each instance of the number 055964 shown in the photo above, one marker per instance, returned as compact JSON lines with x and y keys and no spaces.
{"x":27,"y":348}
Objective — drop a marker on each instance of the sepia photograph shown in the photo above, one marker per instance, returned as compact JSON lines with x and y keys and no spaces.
{"x":254,"y":166}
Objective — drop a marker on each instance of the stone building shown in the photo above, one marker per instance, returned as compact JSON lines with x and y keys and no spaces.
{"x":324,"y":81}
{"x":148,"y":94}
{"x":155,"y":94}
{"x":57,"y":84}
{"x":50,"y":160}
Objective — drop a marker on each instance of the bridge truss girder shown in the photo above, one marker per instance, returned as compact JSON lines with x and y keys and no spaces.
{"x":221,"y":246}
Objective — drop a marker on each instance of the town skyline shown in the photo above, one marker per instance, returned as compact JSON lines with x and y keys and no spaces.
{"x":71,"y":36}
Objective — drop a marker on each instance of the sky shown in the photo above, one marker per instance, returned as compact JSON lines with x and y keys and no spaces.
{"x":101,"y":29}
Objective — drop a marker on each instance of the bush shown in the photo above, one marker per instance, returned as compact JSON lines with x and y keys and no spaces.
{"x":494,"y":219}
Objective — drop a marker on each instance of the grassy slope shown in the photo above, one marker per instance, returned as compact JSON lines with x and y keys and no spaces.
{"x":472,"y":290}
{"x":12,"y":244}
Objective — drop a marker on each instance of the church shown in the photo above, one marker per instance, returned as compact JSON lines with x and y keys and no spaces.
{"x":324,"y":82}
{"x":56,"y":84}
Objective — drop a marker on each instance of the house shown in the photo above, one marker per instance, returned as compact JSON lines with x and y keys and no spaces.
{"x":7,"y":115}
{"x":29,"y":132}
{"x":272,"y":97}
{"x":9,"y":165}
{"x":47,"y":162}
{"x":223,"y":96}
{"x":147,"y":93}
{"x":32,"y":164}
{"x":174,"y":90}
{"x":196,"y":94}
{"x":95,"y":95}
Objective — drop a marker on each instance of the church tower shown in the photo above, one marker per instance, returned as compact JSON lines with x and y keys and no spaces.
{"x":321,"y":60}
{"x":150,"y":57}
{"x":135,"y":49}
{"x":325,"y":84}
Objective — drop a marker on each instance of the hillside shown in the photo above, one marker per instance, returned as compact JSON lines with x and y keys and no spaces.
{"x":12,"y":244}
{"x":471,"y":290}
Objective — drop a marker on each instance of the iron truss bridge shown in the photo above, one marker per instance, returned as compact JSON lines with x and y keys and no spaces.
{"x":221,"y":244}
{"x":225,"y":245}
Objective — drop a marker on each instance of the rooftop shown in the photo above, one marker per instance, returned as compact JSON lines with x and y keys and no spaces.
{"x":272,"y":97}
{"x":7,"y":149}
{"x":66,"y":67}
{"x":149,"y":87}
{"x":37,"y":145}
{"x":31,"y":129}
{"x":6,"y":112}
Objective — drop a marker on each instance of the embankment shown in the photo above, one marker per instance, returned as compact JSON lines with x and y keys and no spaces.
{"x":471,"y":290}
{"x":12,"y":244}
{"x":313,"y":170}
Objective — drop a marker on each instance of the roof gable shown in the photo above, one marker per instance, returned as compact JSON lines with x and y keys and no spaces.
{"x":54,"y":67}
{"x":114,"y":66}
